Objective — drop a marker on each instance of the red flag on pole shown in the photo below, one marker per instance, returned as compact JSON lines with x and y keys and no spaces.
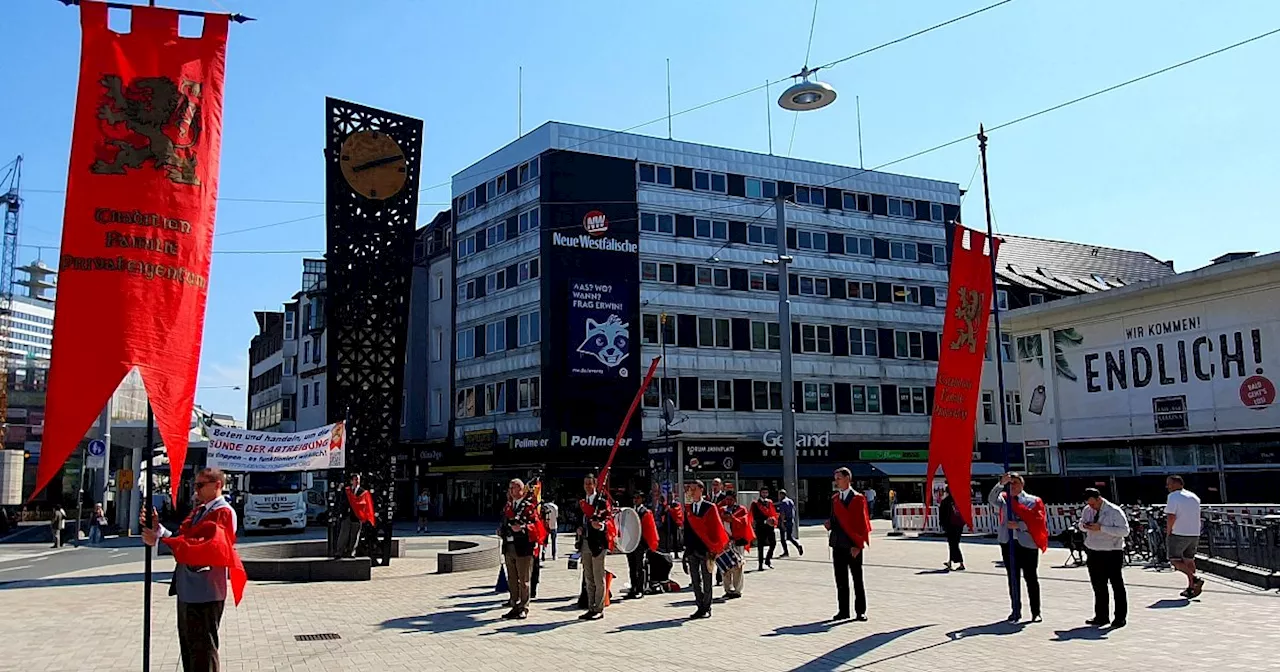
{"x":635,"y":403}
{"x":964,"y":342}
{"x":137,"y":226}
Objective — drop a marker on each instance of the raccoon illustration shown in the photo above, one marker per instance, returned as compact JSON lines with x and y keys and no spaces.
{"x":606,"y":341}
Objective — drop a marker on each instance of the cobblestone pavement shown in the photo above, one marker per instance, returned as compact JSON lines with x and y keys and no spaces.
{"x":408,"y":618}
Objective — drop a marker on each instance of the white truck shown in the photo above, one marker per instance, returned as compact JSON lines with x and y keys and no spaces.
{"x":273,"y":500}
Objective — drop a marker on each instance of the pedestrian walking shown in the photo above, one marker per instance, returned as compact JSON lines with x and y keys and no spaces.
{"x":849,"y":526}
{"x":1182,"y":532}
{"x":57,"y":524}
{"x":1105,"y":528}
{"x":551,"y":518}
{"x":953,"y":526}
{"x":764,"y":516}
{"x":1022,"y":540}
{"x":870,"y":494}
{"x":787,"y":511}
{"x":97,"y":525}
{"x":424,"y":509}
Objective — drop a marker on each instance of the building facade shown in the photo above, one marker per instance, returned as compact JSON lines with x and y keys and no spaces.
{"x":1174,"y":375}
{"x":428,"y":386}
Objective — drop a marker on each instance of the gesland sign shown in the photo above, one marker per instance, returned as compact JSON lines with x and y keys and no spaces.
{"x":774,"y":440}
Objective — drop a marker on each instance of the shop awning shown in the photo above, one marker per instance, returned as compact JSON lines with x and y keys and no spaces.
{"x":859,"y":469}
{"x":918,"y":469}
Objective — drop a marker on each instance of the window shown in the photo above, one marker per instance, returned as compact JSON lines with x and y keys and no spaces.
{"x":935,"y":212}
{"x":657,"y":223}
{"x":306,"y":395}
{"x":495,"y":282}
{"x":818,"y":398}
{"x":811,"y":240}
{"x":767,"y":394}
{"x":317,"y":349}
{"x":713,"y":277}
{"x":1035,"y":298}
{"x":657,"y":329}
{"x":858,"y":202}
{"x":496,"y":187}
{"x":906,"y":294}
{"x":655,"y":174}
{"x":288,"y":366}
{"x":495,"y":233}
{"x":527,"y":171}
{"x":759,"y":234}
{"x":861,"y":291}
{"x":765,"y":336}
{"x":811,"y":286}
{"x":862,"y":342}
{"x":902,"y":207}
{"x":437,"y":407}
{"x":940,"y":297}
{"x":815,"y":339}
{"x":437,"y":345}
{"x":908,"y":344}
{"x":529,"y":393}
{"x":655,"y":393}
{"x":1006,"y":346}
{"x":286,"y":409}
{"x":495,"y":398}
{"x":289,"y":325}
{"x":757,"y":188}
{"x":438,"y":292}
{"x":495,"y":337}
{"x":715,"y":229}
{"x":467,"y":291}
{"x":466,"y":247}
{"x":1002,"y":299}
{"x":940,"y":255}
{"x":529,"y":328}
{"x":528,"y":220}
{"x":528,"y":270}
{"x":466,"y":346}
{"x":866,"y":398}
{"x":707,"y":181}
{"x":315,"y":394}
{"x":713,"y":332}
{"x":811,"y":196}
{"x":762,"y":281}
{"x":899,"y":251}
{"x":1013,"y":407}
{"x":988,"y":407}
{"x":859,"y":245}
{"x":657,"y":271}
{"x":306,"y":352}
{"x":911,"y":401}
{"x":715,"y":395}
{"x":466,"y":403}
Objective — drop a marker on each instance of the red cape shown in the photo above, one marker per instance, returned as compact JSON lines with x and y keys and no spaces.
{"x":740,"y":525}
{"x":677,"y":513}
{"x":649,"y":530}
{"x":610,"y":527}
{"x":211,"y":543}
{"x":709,"y":529}
{"x":853,"y":518}
{"x":766,"y":509}
{"x":1035,"y":518}
{"x":363,"y":506}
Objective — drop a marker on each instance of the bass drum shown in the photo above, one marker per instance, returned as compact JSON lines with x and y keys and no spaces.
{"x":628,"y":524}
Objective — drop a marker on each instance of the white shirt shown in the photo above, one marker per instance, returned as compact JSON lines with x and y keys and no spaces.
{"x":1186,"y":506}
{"x":870,"y":495}
{"x":1114,"y":530}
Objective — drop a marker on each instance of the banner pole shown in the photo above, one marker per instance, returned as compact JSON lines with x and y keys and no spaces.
{"x":617,"y":441}
{"x":147,"y":487}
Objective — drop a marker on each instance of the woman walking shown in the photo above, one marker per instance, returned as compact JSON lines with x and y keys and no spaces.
{"x":953,"y":525}
{"x":97,"y":524}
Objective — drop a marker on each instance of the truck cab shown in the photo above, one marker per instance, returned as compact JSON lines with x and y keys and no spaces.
{"x":274,"y":500}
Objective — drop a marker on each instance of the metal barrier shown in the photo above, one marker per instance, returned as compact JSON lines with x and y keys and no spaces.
{"x":1242,"y":539}
{"x":986,"y":518}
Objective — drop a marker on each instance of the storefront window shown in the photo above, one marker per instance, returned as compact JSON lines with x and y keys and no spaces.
{"x":1083,"y":459}
{"x":1260,"y":452}
{"x":1037,"y":460}
{"x":1151,"y":456}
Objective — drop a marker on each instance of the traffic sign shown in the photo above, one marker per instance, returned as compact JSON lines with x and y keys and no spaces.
{"x":96,"y":455}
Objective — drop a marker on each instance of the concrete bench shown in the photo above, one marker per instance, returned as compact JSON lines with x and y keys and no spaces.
{"x":305,"y":561}
{"x":466,"y":556}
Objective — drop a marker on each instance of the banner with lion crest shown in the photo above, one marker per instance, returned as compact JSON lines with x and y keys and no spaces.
{"x":138,"y":225}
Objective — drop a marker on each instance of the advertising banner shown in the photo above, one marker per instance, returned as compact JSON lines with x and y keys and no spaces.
{"x":240,"y":450}
{"x":137,"y":226}
{"x":598,"y":324}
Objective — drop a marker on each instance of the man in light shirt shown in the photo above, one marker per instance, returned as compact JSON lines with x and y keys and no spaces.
{"x":1182,"y":532}
{"x":1105,"y":529}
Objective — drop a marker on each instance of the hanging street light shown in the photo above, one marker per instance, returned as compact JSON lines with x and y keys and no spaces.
{"x":807,"y":95}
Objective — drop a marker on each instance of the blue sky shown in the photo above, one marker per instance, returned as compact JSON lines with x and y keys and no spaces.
{"x":1175,"y":166}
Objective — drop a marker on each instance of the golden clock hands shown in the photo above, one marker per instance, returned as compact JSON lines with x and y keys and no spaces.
{"x":376,"y":162}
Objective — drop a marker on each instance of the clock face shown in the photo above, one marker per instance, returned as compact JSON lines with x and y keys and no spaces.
{"x":373,"y":164}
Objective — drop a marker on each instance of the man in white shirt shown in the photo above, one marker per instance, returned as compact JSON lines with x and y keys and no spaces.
{"x":870,"y":494}
{"x":1182,"y":532}
{"x":424,"y":508}
{"x":1105,"y":529}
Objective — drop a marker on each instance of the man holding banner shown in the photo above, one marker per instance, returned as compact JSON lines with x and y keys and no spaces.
{"x":358,"y":511}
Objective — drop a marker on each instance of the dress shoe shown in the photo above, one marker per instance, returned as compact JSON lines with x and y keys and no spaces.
{"x":595,"y":615}
{"x":586,"y":616}
{"x":1097,"y":622}
{"x":842,"y":616}
{"x":1118,"y":623}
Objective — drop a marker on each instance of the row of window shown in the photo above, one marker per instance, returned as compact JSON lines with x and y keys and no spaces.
{"x":509,"y":181}
{"x":502,"y":279}
{"x":310,"y":391}
{"x":720,"y":277}
{"x":817,"y":339}
{"x":494,"y":337}
{"x":499,"y":232}
{"x":718,"y":183}
{"x":766,"y":395}
{"x":528,"y":393}
{"x":1012,"y":407}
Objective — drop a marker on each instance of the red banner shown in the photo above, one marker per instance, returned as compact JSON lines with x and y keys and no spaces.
{"x":964,"y":343}
{"x":138,"y":225}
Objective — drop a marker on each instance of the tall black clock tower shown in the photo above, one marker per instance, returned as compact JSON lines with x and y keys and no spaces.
{"x":372,"y":165}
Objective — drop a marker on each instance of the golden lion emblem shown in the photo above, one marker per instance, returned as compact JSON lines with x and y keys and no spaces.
{"x":162,"y":124}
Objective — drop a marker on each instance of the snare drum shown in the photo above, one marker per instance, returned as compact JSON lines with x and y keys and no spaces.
{"x":728,"y":560}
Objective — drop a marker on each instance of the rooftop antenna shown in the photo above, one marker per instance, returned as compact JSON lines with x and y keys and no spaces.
{"x":857,"y":100}
{"x":520,"y":102}
{"x":668,"y":98}
{"x":768,"y":110}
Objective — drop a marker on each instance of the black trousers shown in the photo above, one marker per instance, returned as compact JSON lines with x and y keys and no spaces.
{"x":1106,"y":567}
{"x":638,"y":564}
{"x":845,"y":564}
{"x":701,"y":578}
{"x":198,"y":635}
{"x":765,"y":538}
{"x":1027,"y":561}
{"x":787,"y":532}
{"x":953,"y":544}
{"x":535,"y":573}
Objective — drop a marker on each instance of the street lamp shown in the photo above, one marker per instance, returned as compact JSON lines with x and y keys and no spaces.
{"x":807,"y":95}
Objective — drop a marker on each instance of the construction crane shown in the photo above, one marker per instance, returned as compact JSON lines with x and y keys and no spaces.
{"x":9,"y":185}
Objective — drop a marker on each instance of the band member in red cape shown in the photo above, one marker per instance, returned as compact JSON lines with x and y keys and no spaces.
{"x":675,"y":522}
{"x":742,"y":534}
{"x":522,"y":534}
{"x":638,"y":560}
{"x":764,"y":517}
{"x":850,"y":533}
{"x":598,"y":530}
{"x":357,"y":512}
{"x":704,"y":539}
{"x":1024,"y":539}
{"x":204,"y":549}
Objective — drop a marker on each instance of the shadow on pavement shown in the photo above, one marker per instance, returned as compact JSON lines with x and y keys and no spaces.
{"x":1170,"y":604}
{"x":998,"y":628}
{"x":1086,"y":632}
{"x":942,"y":570}
{"x":98,"y":580}
{"x":490,"y":604}
{"x":837,"y":658}
{"x":805,"y":628}
{"x":436,"y":622}
{"x":651,"y":625}
{"x":528,"y":628}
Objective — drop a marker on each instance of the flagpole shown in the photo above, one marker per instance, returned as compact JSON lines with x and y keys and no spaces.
{"x":1015,"y":591}
{"x":151,"y":522}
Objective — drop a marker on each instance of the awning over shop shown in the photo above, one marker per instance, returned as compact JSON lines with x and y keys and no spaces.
{"x":859,"y":469}
{"x":917,"y":469}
